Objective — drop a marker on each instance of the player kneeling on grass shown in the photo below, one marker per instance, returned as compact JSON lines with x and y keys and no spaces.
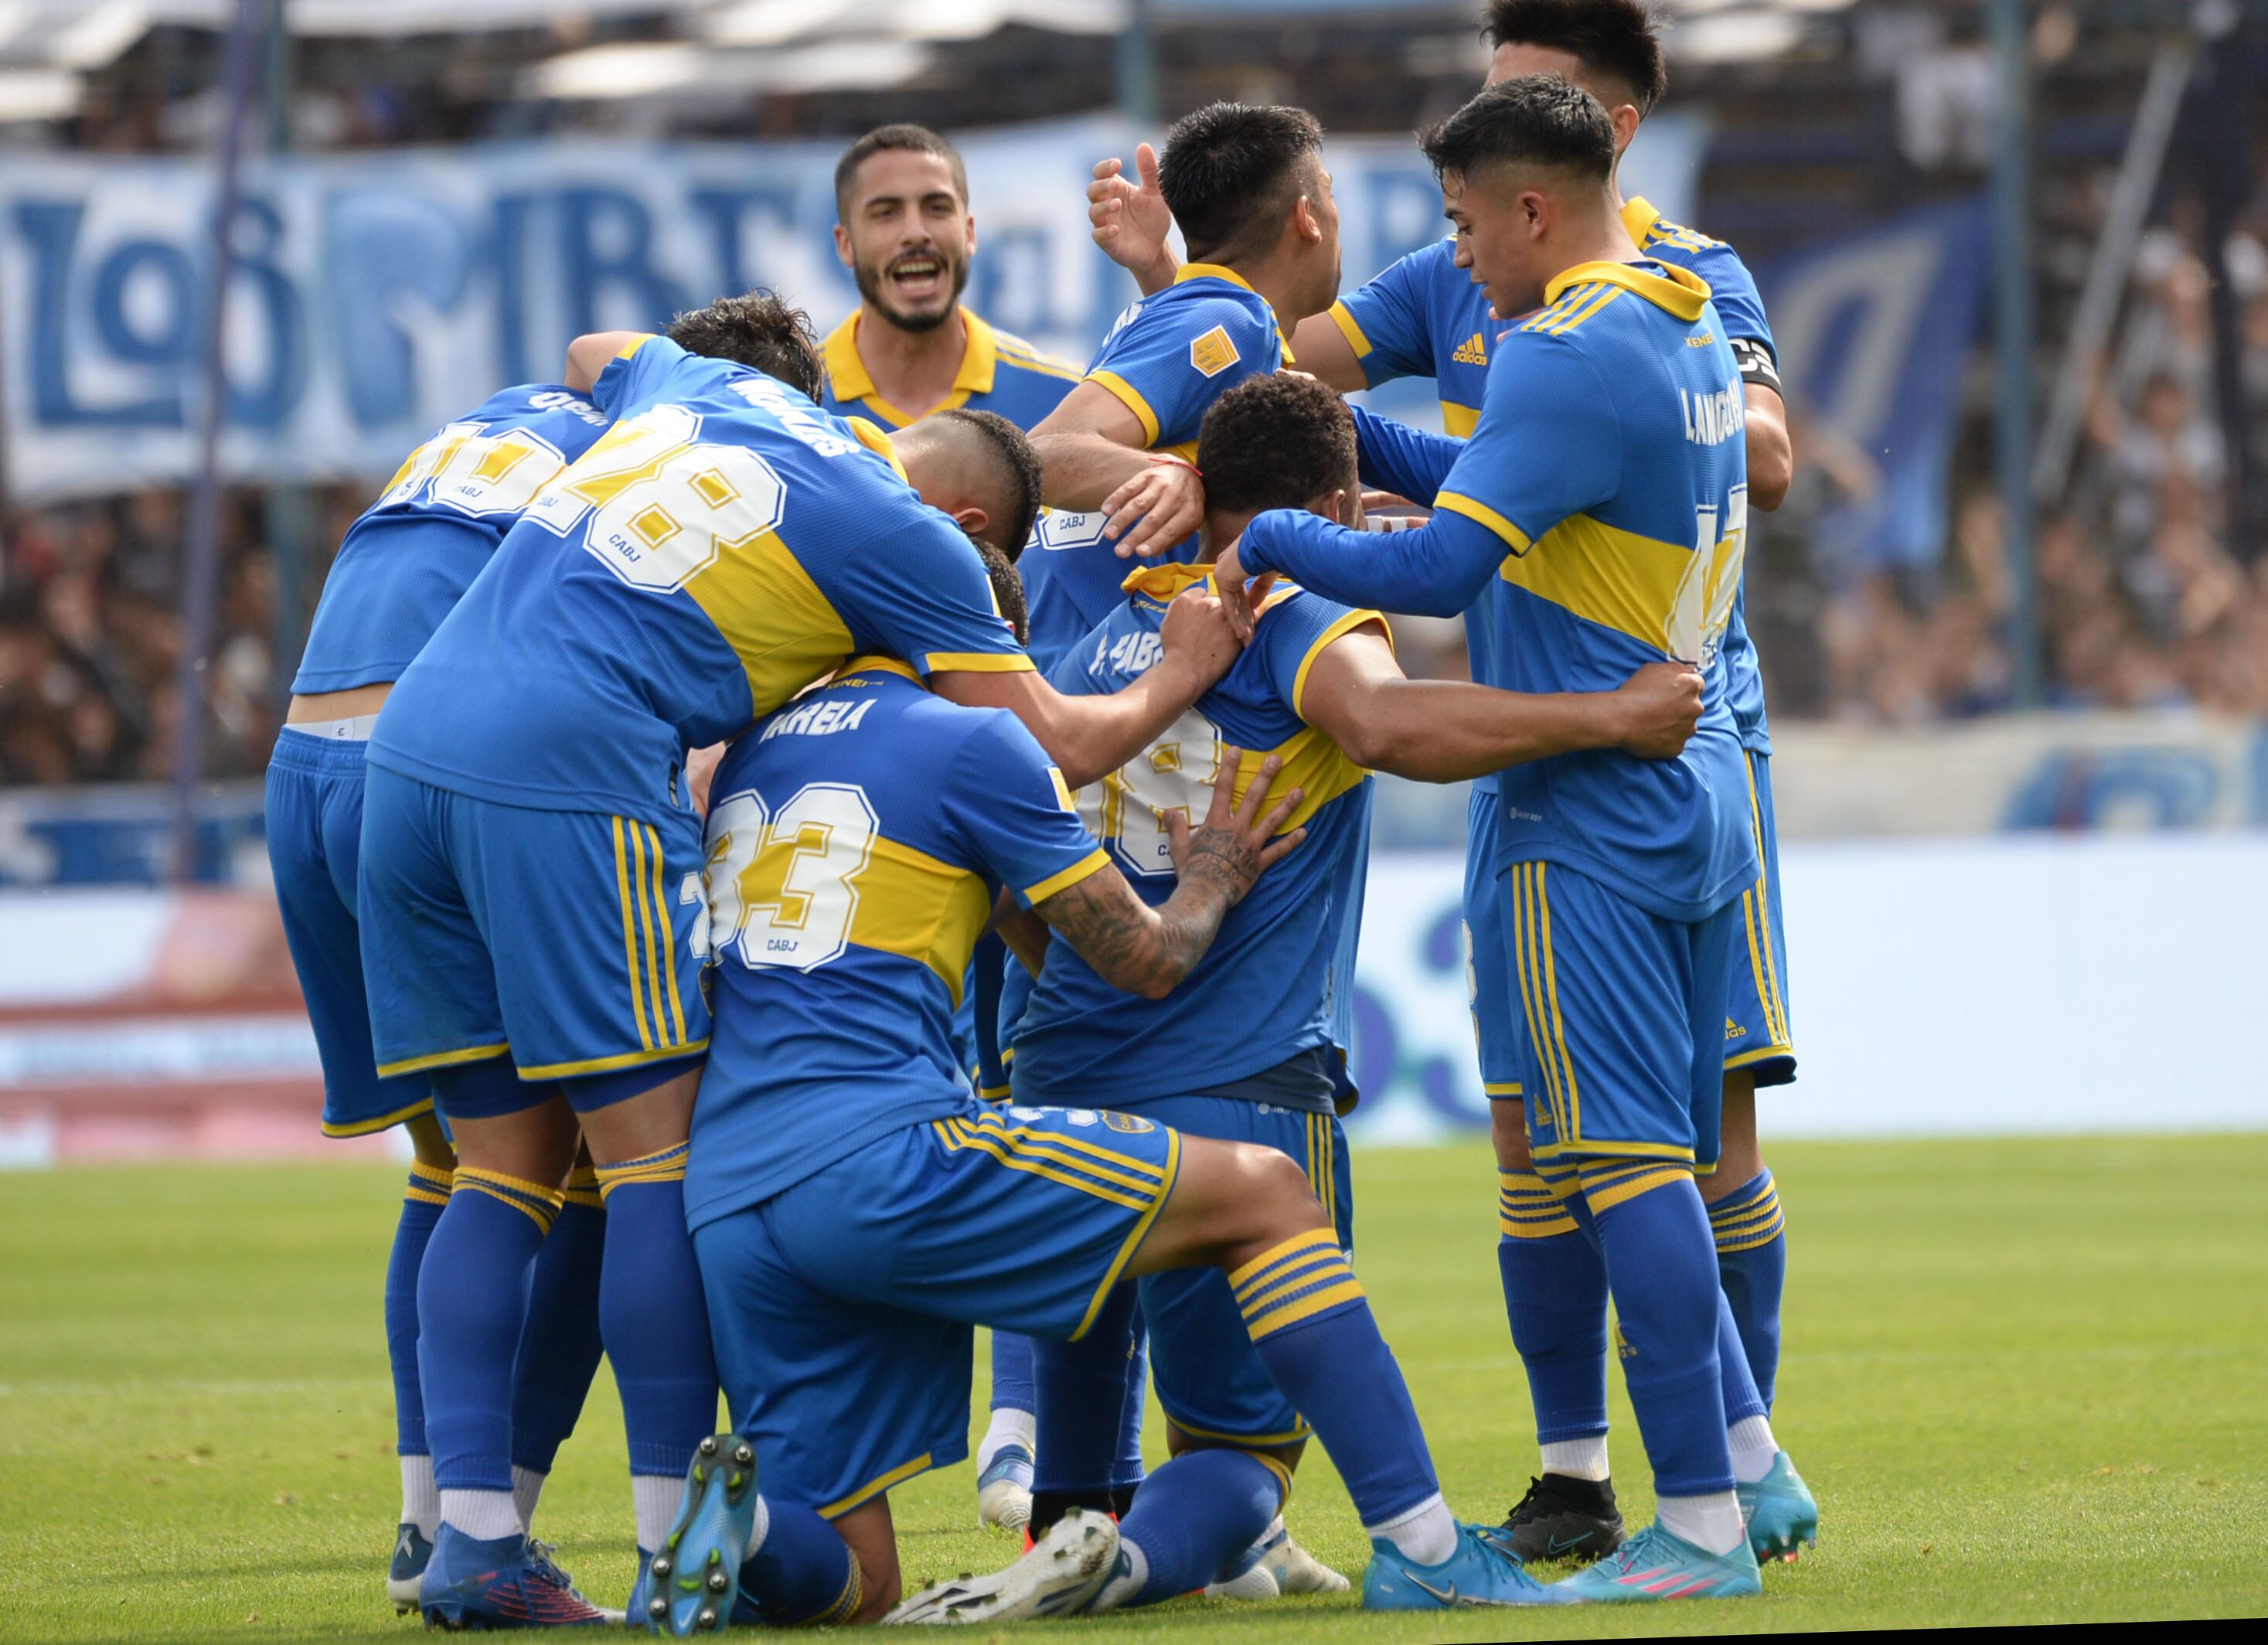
{"x":857,"y":1212}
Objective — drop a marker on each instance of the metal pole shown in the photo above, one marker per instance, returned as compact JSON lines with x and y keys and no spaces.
{"x":290,"y":513}
{"x":1137,"y":68}
{"x":201,"y":564}
{"x":2012,"y":330}
{"x":2113,"y":262}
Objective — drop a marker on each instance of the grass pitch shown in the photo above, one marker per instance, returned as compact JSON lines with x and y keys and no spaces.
{"x":2025,"y":1380}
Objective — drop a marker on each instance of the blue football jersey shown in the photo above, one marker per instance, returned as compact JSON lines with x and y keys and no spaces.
{"x":1277,"y":980}
{"x":1600,"y":508}
{"x":1423,"y":317}
{"x":1000,"y":372}
{"x":857,"y":841}
{"x":724,"y":546}
{"x":408,"y":559}
{"x":1167,"y":358}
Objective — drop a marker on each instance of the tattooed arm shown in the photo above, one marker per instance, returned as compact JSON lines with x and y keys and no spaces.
{"x":1147,"y":950}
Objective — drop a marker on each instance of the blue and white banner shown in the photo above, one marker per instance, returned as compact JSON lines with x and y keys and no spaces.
{"x":378,"y":295}
{"x":1874,"y":332}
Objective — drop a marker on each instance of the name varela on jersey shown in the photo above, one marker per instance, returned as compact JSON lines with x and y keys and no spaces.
{"x":1713,"y":419}
{"x":821,"y":719}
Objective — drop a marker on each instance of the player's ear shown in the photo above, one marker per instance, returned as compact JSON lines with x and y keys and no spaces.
{"x":972,"y":520}
{"x":1536,"y":209}
{"x":1625,"y":117}
{"x":842,"y":244}
{"x":1304,"y":219}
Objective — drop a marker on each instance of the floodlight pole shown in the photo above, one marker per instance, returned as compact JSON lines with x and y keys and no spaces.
{"x":1137,"y":68}
{"x":201,"y":560}
{"x":2012,"y":331}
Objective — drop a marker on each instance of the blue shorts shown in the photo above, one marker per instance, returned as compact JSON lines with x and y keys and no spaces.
{"x":1625,"y":1014}
{"x":842,"y":1308}
{"x":1488,"y":964}
{"x":563,"y":939}
{"x":1756,"y":1035}
{"x":1208,"y":1375}
{"x":314,"y":842}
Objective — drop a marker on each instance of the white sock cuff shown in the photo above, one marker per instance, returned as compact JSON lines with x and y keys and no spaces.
{"x":1008,"y":1427}
{"x":1711,"y":1522}
{"x":1584,"y":1458}
{"x":421,"y":1499}
{"x":1754,"y":1448}
{"x":526,"y":1492}
{"x":483,"y":1516}
{"x":1424,"y":1535}
{"x":655,"y":1499}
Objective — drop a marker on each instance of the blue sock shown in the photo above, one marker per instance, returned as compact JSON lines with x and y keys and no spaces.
{"x":1311,"y":1322}
{"x":654,"y":1317}
{"x":1654,"y":1236}
{"x":472,"y":1300}
{"x":1126,"y":1471}
{"x":800,"y":1573}
{"x":1555,"y":1297}
{"x":1012,"y":1373}
{"x":1195,"y":1516}
{"x":559,"y":1345}
{"x":1081,"y":1389}
{"x":1741,"y":1399}
{"x":1752,"y":1266}
{"x":421,"y":1212}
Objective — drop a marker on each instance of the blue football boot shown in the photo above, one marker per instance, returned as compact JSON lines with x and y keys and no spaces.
{"x":1779,"y":1512}
{"x":411,"y":1551}
{"x":634,"y":1611}
{"x":1483,"y":1571}
{"x":498,"y":1583}
{"x":693,"y":1583}
{"x":1655,"y":1564}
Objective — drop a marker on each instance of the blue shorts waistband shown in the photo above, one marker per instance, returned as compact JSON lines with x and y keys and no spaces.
{"x":325,"y":757}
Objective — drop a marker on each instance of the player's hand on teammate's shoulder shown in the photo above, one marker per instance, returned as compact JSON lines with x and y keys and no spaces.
{"x":1235,"y":844}
{"x":1196,"y":638}
{"x":1658,"y":707}
{"x":1129,"y":221}
{"x":1238,"y":600}
{"x":1155,"y":509}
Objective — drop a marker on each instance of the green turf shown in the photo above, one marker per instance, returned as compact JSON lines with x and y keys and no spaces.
{"x":2025,"y":1379}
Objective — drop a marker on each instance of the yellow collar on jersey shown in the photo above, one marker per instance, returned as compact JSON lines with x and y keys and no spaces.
{"x":1216,"y":271}
{"x":1638,"y":218}
{"x":847,"y":373}
{"x":873,"y":663}
{"x":1164,"y":582}
{"x":877,"y":438}
{"x":1680,"y":291}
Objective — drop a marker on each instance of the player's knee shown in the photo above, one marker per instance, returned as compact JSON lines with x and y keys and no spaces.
{"x":1508,"y":1129}
{"x":1277,"y":1199}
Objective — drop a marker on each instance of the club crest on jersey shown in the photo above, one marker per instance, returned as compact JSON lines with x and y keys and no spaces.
{"x":1128,"y":1123}
{"x":1213,"y":353}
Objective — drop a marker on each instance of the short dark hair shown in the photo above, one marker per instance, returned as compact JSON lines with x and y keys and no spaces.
{"x":757,"y":329}
{"x":1540,"y":120}
{"x":1277,"y":441}
{"x":1007,"y":589}
{"x":1231,"y":171}
{"x":882,"y":139}
{"x":1618,"y":39}
{"x":1015,"y":468}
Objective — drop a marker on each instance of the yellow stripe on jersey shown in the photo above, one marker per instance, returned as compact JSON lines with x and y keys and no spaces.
{"x":1343,"y":626}
{"x":641,"y":881}
{"x":633,"y":926}
{"x":1131,"y":397}
{"x":1619,"y":579}
{"x":1094,"y":862}
{"x":771,"y":614}
{"x":1458,"y":421}
{"x":1351,"y":329}
{"x":1480,"y":513}
{"x":909,"y":903}
{"x":1574,"y":1126}
{"x":667,"y":936}
{"x":1312,"y":761}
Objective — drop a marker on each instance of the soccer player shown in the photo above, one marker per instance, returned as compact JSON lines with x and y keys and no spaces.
{"x":531,"y":856}
{"x":1250,"y":1047}
{"x":400,"y":568}
{"x":905,"y":230}
{"x":856,"y":1210}
{"x":1423,"y":317}
{"x":1598,"y":508}
{"x":1248,"y":187}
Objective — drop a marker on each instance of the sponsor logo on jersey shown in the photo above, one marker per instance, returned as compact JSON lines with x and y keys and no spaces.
{"x":1472,"y":351}
{"x":1213,"y":353}
{"x":1734,"y":1030}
